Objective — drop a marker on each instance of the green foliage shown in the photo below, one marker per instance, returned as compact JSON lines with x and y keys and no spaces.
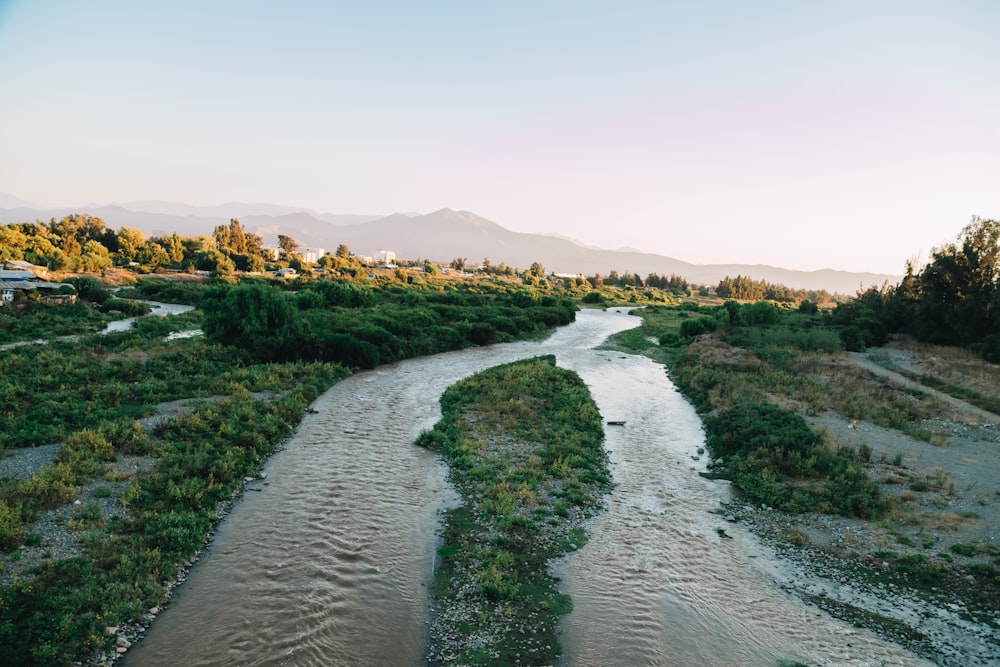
{"x":90,"y":289}
{"x":10,"y":525}
{"x":691,"y":328}
{"x":953,"y":300}
{"x":258,"y":319}
{"x":360,"y":327}
{"x":38,"y":320}
{"x":523,"y":441}
{"x":760,"y":313}
{"x":750,"y":427}
{"x":168,"y":291}
{"x":773,"y":456}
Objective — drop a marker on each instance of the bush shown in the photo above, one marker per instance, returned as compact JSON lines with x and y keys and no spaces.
{"x":756,"y":314}
{"x":89,"y":289}
{"x":770,"y":452}
{"x":750,"y":427}
{"x":10,"y":526}
{"x":696,"y":327}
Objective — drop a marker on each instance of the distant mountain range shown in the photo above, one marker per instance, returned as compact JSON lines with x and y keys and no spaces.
{"x":440,"y":236}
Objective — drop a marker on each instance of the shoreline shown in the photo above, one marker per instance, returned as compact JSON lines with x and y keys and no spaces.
{"x":934,"y":624}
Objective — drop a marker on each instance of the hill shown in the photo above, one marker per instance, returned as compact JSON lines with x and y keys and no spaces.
{"x":440,"y":236}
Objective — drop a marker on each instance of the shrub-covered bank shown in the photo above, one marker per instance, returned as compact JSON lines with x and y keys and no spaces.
{"x":242,"y":398}
{"x":880,"y":497}
{"x":524,"y":443}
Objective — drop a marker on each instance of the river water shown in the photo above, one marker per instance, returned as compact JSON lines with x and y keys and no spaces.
{"x":327,"y":560}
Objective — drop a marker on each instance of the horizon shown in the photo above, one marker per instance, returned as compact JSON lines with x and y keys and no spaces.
{"x":851,"y":138}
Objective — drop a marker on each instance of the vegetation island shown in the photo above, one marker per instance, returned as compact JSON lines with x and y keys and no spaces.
{"x":122,"y":450}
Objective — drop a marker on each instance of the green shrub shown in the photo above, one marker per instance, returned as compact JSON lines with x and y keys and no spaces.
{"x":770,"y":452}
{"x":10,"y":526}
{"x":695,"y":327}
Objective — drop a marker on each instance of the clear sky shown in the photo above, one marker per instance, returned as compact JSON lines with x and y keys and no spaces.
{"x":840,"y":134}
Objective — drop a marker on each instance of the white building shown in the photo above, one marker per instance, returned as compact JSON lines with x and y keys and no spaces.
{"x":386,"y":256}
{"x":311,"y":255}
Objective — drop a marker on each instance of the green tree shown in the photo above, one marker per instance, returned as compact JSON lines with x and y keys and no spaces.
{"x":288,"y":245}
{"x":130,"y":241}
{"x":958,"y":302}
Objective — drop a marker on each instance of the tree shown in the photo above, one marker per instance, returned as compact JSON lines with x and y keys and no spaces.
{"x":537,"y":270}
{"x":342,"y":252}
{"x":288,"y":245}
{"x":458,"y":263}
{"x":95,"y":257}
{"x":958,"y":302}
{"x":130,"y":241}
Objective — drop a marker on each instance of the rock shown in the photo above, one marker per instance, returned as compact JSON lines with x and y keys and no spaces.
{"x":123,"y":643}
{"x":111,"y":630}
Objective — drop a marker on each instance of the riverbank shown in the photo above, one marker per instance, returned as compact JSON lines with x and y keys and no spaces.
{"x":924,"y":573}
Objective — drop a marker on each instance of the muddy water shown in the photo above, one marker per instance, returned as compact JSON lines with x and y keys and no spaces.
{"x":326,"y":562}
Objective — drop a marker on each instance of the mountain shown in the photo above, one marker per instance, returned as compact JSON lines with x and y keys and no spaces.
{"x":446,"y":235}
{"x":440,"y":236}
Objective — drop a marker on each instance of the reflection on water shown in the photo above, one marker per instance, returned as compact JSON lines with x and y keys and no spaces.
{"x":327,"y":563}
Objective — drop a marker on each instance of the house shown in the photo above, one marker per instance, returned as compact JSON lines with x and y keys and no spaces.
{"x":21,"y":265}
{"x":286,"y":273}
{"x":14,"y":281}
{"x":386,"y":257}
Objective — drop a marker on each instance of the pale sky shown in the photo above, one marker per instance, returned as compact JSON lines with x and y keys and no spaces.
{"x":807,"y":135}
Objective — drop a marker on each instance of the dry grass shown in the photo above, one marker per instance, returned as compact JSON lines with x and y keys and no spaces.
{"x":953,"y":365}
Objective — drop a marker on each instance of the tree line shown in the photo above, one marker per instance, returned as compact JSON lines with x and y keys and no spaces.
{"x":745,"y":288}
{"x":82,"y":243}
{"x":953,"y":300}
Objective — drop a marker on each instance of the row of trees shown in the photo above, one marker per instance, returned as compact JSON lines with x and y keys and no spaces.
{"x":83,"y":243}
{"x":745,"y":288}
{"x":953,"y":300}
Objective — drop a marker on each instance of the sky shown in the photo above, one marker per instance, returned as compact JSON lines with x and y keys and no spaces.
{"x":807,"y":135}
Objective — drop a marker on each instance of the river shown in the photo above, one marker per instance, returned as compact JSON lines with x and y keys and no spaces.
{"x":327,"y":560}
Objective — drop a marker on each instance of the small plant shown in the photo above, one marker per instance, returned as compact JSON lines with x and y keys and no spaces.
{"x":102,"y":491}
{"x":940,"y":502}
{"x":968,"y":550}
{"x":89,"y":516}
{"x":33,"y":540}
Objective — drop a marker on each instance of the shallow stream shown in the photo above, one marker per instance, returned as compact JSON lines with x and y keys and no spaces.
{"x":327,"y":560}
